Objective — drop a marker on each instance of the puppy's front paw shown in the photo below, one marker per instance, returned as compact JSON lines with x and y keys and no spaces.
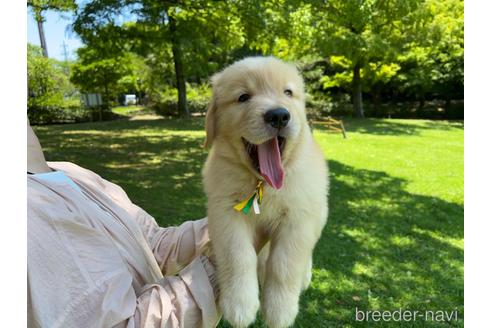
{"x":279,"y":309}
{"x":239,"y":309}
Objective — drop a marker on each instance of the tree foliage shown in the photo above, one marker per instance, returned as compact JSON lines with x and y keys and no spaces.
{"x":50,"y":93}
{"x":96,"y":74}
{"x":40,"y":6}
{"x":193,"y":37}
{"x":434,"y":61}
{"x":367,"y":35}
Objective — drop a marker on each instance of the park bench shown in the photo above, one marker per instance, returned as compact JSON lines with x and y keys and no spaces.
{"x":331,"y":125}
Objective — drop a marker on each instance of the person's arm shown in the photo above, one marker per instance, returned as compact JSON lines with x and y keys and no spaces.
{"x":77,"y":278}
{"x":173,"y":247}
{"x":36,"y":163}
{"x":186,"y":300}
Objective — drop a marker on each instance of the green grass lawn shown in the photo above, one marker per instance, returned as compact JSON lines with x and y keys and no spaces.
{"x":127,"y":111}
{"x":394,"y":237}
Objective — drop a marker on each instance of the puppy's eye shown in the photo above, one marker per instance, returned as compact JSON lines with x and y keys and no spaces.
{"x":244,"y":97}
{"x":288,"y":92}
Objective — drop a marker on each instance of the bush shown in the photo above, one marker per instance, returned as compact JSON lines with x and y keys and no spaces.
{"x":52,"y":98}
{"x":318,"y":106}
{"x":165,"y":102}
{"x":433,"y":110}
{"x":55,"y":109}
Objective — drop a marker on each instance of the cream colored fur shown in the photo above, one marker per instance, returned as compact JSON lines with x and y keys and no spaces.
{"x":291,"y":218}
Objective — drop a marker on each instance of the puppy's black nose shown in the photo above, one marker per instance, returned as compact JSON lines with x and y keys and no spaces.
{"x":278,"y":117}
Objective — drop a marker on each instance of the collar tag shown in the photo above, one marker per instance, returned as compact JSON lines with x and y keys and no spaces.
{"x":254,"y":200}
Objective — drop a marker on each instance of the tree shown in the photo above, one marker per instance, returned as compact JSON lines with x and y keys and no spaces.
{"x":39,"y":7}
{"x":134,"y":81}
{"x":44,"y":75}
{"x":96,"y":73}
{"x":363,"y":32}
{"x":181,"y":26}
{"x":434,"y":63}
{"x":49,"y":88}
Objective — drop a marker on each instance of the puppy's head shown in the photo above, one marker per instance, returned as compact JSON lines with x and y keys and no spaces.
{"x":258,"y":108}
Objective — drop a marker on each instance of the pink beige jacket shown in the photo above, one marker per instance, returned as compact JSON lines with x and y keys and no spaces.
{"x":97,"y":260}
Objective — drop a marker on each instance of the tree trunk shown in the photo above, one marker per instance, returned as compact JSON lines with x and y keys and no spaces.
{"x":357,"y":91}
{"x":178,"y":68}
{"x":100,"y":113}
{"x":376,"y":99}
{"x":447,"y":104}
{"x":421,"y":102}
{"x":42,"y":39}
{"x":105,"y":105}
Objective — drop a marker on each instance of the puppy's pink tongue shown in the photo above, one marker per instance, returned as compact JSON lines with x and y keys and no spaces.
{"x":271,"y":163}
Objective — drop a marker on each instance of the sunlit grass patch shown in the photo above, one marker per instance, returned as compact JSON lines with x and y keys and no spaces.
{"x":127,"y":110}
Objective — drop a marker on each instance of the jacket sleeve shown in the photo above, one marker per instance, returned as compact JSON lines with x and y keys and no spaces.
{"x":186,"y":300}
{"x":103,"y":294}
{"x":173,"y":247}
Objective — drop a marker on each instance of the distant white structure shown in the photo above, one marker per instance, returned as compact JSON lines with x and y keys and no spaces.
{"x":130,"y":100}
{"x":92,"y":99}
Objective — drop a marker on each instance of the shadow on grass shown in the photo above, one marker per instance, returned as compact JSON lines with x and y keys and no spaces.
{"x":384,"y":249}
{"x":392,"y":127}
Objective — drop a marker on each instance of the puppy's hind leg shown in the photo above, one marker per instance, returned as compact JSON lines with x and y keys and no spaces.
{"x":232,"y":242}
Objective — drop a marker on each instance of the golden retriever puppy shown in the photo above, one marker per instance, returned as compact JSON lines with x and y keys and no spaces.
{"x":264,"y":176}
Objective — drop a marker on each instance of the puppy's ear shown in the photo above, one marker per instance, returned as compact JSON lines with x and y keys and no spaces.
{"x":210,"y":123}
